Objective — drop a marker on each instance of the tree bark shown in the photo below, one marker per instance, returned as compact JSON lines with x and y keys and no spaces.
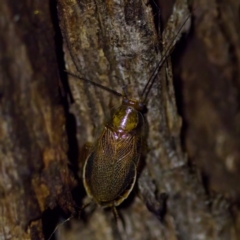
{"x":191,"y":124}
{"x":33,"y":152}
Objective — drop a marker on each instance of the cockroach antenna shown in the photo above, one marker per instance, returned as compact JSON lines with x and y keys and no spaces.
{"x":95,"y":84}
{"x":152,"y":78}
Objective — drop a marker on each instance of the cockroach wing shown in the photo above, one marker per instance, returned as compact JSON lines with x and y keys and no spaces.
{"x":110,"y":171}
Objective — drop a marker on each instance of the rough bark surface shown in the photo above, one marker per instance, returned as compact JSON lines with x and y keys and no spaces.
{"x":190,"y":165}
{"x":33,"y":142}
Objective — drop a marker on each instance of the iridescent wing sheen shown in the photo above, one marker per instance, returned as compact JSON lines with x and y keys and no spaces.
{"x":111,"y":168}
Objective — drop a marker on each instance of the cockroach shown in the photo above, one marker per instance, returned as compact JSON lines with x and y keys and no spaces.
{"x":110,"y":170}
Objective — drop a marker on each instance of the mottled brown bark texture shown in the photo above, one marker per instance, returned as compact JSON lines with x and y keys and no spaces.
{"x":34,"y":175}
{"x":187,"y":186}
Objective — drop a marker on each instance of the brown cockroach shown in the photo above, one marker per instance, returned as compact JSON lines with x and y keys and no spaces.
{"x":110,"y":170}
